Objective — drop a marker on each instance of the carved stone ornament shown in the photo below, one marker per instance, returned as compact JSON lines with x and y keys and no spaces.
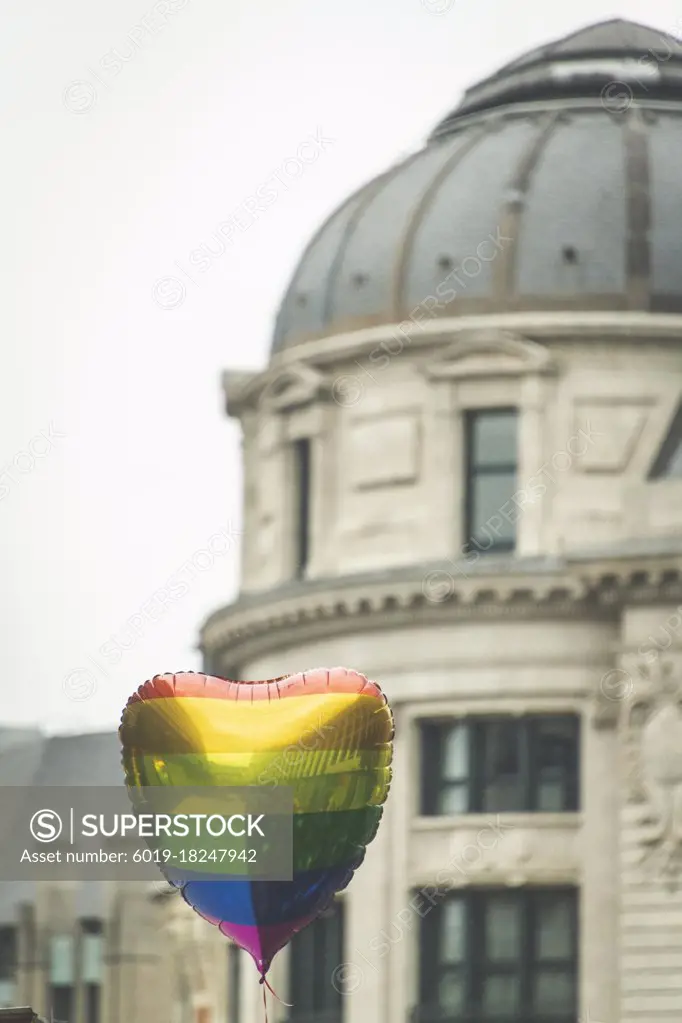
{"x":287,"y":389}
{"x":489,"y":353}
{"x":275,"y":390}
{"x":652,"y":725}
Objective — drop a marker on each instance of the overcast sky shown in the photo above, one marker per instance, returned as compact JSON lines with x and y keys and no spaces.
{"x":129,"y":135}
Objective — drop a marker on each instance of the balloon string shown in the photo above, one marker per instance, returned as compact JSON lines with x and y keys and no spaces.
{"x":264,"y":981}
{"x":265,"y":1005}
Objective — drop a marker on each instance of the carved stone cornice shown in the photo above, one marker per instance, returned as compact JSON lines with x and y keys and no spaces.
{"x":640,"y":578}
{"x":389,"y":600}
{"x":542,"y":589}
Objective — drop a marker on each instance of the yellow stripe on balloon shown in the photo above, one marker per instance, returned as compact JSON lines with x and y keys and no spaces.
{"x":333,"y":721}
{"x":189,"y":770}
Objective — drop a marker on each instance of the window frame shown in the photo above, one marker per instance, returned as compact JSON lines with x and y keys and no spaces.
{"x":432,"y":737}
{"x":322,"y":1001}
{"x":91,"y":928}
{"x":234,"y":973}
{"x":477,"y":966}
{"x":9,"y":960}
{"x":668,"y":449}
{"x":473,"y":471}
{"x":301,"y":452}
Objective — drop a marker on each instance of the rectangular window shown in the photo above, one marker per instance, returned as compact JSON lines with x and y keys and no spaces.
{"x":234,"y":954}
{"x":92,"y":967}
{"x":668,"y":462}
{"x":61,"y":959}
{"x":302,"y":494}
{"x":315,"y":952}
{"x":501,"y":765}
{"x":61,"y":1004}
{"x":8,"y":966}
{"x":490,"y":955}
{"x":93,"y":1003}
{"x":92,"y":951}
{"x":61,"y":973}
{"x":491,"y":473}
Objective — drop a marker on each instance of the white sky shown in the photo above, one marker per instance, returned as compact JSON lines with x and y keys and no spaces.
{"x":107,"y":185}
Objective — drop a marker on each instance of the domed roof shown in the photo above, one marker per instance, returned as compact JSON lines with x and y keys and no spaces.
{"x":554,"y":184}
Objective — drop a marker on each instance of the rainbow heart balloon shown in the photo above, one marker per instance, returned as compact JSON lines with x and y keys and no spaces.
{"x":324,"y":734}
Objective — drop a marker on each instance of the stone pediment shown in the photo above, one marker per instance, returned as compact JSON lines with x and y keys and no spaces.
{"x":275,"y":390}
{"x":489,"y":353}
{"x":291,"y":388}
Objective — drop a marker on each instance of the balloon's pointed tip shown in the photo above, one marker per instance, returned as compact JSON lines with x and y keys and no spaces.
{"x":262,"y":965}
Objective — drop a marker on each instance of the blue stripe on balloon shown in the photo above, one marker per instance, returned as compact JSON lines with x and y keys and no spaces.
{"x":254,"y":903}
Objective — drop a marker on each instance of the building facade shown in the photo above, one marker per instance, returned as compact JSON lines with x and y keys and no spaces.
{"x":463,"y":477}
{"x":101,"y":952}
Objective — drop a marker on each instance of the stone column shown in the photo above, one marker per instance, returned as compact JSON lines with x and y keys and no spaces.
{"x":30,"y":965}
{"x":403,"y":921}
{"x":442,"y":471}
{"x":365,"y":969}
{"x":600,"y":883}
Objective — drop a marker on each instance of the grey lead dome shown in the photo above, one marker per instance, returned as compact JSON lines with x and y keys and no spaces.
{"x":555,"y":184}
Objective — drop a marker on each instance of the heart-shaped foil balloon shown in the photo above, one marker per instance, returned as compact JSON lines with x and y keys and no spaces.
{"x":192,"y":729}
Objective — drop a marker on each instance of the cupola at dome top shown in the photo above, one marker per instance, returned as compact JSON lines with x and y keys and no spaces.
{"x":644,"y":62}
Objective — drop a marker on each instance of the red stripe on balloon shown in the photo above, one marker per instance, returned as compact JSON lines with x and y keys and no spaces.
{"x":320,"y":681}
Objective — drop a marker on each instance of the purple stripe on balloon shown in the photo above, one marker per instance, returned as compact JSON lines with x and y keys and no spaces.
{"x":254,"y":939}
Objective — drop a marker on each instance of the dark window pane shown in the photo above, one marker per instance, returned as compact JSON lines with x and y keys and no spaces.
{"x":456,"y":753}
{"x":453,"y":799}
{"x":431,"y":745}
{"x":669,"y":458}
{"x":316,"y":951}
{"x":554,"y":993}
{"x":61,"y":959}
{"x":501,"y":994}
{"x":493,"y":438}
{"x":555,"y":764}
{"x":301,"y":450}
{"x":8,"y":952}
{"x":92,"y":958}
{"x":453,"y":931}
{"x":488,"y":495}
{"x":302,"y":965}
{"x":7,"y":994}
{"x":675,"y":464}
{"x":445,"y":756}
{"x":501,"y":763}
{"x":92,"y":1003}
{"x":451,"y":992}
{"x":61,"y":1004}
{"x":234,"y":983}
{"x":554,"y":927}
{"x":430,"y":951}
{"x":503,"y":929}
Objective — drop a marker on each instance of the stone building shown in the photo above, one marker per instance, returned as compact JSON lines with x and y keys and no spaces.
{"x":100,"y":952}
{"x":463,"y":477}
